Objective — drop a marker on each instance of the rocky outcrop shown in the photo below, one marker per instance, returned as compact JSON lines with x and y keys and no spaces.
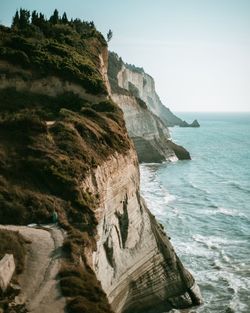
{"x":195,"y":123}
{"x":134,"y":259}
{"x":7,"y":269}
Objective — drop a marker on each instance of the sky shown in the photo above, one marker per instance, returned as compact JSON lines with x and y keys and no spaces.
{"x":198,"y":51}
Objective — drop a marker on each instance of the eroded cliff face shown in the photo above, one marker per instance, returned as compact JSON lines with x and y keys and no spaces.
{"x":150,"y":136}
{"x":134,"y":259}
{"x":134,"y":92}
{"x":143,"y":86}
{"x":84,"y":166}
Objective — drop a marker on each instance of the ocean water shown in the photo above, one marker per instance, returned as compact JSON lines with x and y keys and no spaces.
{"x":204,"y":205}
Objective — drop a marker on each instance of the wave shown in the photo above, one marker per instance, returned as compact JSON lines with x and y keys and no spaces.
{"x":210,"y":242}
{"x":236,"y":185}
{"x":230,"y":212}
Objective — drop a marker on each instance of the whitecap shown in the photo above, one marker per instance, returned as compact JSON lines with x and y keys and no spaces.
{"x":210,"y":242}
{"x":217,"y":265}
{"x":230,"y":212}
{"x":169,"y":198}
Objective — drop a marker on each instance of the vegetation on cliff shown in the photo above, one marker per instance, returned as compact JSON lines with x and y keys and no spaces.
{"x":68,"y":49}
{"x":43,"y":164}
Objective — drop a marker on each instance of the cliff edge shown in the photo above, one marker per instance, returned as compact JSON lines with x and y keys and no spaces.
{"x":148,"y":131}
{"x":65,"y":148}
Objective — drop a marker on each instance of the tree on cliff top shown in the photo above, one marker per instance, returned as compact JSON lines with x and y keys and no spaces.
{"x":54,"y":19}
{"x":64,"y":18}
{"x":109,"y":35}
{"x":22,"y":19}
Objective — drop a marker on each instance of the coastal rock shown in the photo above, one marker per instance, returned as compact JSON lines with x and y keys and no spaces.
{"x":148,"y":132}
{"x":180,"y":152}
{"x":85,"y":166}
{"x":132,"y":90}
{"x":134,"y":259}
{"x":126,"y":77}
{"x":195,"y":123}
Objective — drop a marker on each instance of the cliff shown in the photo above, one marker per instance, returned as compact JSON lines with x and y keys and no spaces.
{"x":64,"y":147}
{"x":140,"y":84}
{"x":149,"y":134}
{"x":147,"y":130}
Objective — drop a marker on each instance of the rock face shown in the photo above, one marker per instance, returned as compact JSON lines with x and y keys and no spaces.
{"x":149,"y":133}
{"x":142,"y":85}
{"x":7,"y":269}
{"x":85,"y":167}
{"x":135,"y":260}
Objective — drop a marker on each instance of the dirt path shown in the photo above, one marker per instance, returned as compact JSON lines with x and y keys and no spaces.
{"x":38,"y":281}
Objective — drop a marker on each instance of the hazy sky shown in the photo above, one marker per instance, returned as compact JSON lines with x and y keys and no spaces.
{"x":198,"y":51}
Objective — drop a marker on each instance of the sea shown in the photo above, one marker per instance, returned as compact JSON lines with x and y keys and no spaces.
{"x":204,"y":205}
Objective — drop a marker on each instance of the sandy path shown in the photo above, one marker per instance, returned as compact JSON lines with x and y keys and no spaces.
{"x":38,"y":281}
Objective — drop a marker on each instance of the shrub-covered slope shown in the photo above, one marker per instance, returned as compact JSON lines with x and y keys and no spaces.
{"x":48,"y":145}
{"x":69,"y":49}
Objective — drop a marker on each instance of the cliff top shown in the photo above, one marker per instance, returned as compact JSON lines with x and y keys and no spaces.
{"x":69,"y":49}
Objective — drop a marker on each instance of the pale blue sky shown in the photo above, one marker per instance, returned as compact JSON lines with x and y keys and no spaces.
{"x":198,"y":51}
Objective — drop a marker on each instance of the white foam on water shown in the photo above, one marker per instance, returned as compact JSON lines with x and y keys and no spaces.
{"x":208,"y":241}
{"x":225,"y":257}
{"x":169,"y":198}
{"x":230,"y":212}
{"x":173,"y":159}
{"x":236,"y":284}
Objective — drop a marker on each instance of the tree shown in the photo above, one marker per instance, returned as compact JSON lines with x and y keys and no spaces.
{"x":35,"y":18}
{"x":64,"y":18}
{"x":109,"y":35}
{"x":54,"y":19}
{"x":15,"y":22}
{"x":91,"y":24}
{"x":24,"y":19}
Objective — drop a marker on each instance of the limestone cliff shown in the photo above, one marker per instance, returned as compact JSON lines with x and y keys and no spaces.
{"x":140,"y":84}
{"x":149,"y":134}
{"x":134,"y":259}
{"x":147,"y":130}
{"x":64,"y":147}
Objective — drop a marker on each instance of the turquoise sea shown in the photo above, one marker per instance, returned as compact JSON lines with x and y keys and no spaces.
{"x":204,"y":205}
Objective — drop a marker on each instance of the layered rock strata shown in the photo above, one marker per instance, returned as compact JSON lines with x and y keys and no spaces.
{"x":150,"y":136}
{"x":83,"y":165}
{"x":140,"y":84}
{"x":135,"y":260}
{"x":149,"y":133}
